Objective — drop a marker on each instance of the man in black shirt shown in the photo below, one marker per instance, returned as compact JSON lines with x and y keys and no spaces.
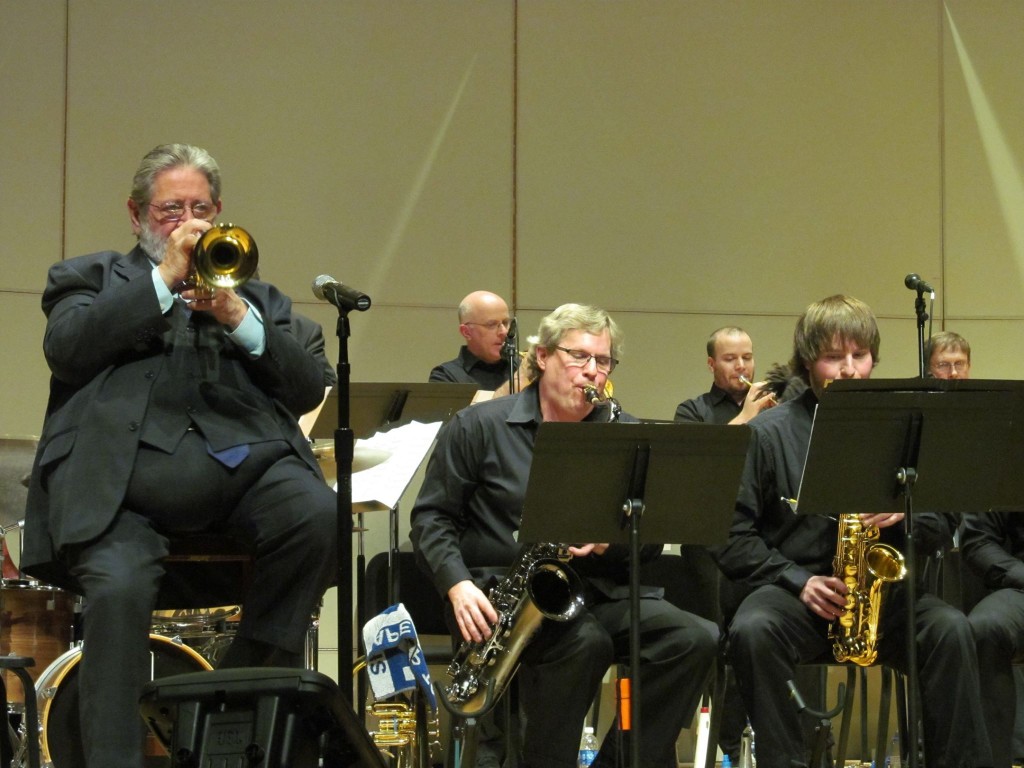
{"x":484,"y":323}
{"x":464,"y":526}
{"x":993,"y":546}
{"x":948,"y":355}
{"x":732,"y":399}
{"x":786,"y":561}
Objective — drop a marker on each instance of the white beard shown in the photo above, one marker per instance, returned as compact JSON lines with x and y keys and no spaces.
{"x":153,"y":243}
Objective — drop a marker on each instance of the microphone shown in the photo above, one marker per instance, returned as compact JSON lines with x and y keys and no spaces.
{"x":326,"y":288}
{"x":508,"y":347}
{"x":915,"y":283}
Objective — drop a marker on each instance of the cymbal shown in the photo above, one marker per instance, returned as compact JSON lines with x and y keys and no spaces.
{"x":364,"y":458}
{"x":16,"y":457}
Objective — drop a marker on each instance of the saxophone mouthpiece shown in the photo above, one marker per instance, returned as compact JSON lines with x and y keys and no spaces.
{"x":592,"y":395}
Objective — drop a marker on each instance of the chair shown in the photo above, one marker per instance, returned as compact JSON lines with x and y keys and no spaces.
{"x":417,"y":593}
{"x":730,"y":596}
{"x":204,"y":570}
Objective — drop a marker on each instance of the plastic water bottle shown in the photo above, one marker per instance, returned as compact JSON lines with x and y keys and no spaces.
{"x":747,"y":757}
{"x":588,"y":748}
{"x":726,"y":762}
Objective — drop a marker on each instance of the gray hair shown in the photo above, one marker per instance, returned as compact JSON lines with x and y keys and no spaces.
{"x":167,"y":156}
{"x":946,"y":340}
{"x":571,"y":317}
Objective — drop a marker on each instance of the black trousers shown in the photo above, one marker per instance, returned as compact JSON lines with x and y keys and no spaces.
{"x":998,"y":625}
{"x":562,"y":669}
{"x":773,"y":631}
{"x":273,"y":499}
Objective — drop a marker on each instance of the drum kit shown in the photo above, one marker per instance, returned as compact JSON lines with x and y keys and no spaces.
{"x":38,"y":620}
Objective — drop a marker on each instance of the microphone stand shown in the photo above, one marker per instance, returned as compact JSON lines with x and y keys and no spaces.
{"x":344,"y":451}
{"x":906,"y":476}
{"x":922,"y":316}
{"x":510,"y":349}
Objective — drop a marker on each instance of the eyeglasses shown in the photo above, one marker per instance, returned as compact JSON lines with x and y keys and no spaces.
{"x":493,"y":325}
{"x":175,"y":210}
{"x":959,"y":366}
{"x":581,"y":359}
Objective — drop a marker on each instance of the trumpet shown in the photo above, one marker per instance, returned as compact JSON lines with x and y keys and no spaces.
{"x":765,"y":393}
{"x":225,"y":256}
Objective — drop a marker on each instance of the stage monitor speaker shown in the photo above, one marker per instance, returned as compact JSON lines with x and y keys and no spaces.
{"x":256,"y":717}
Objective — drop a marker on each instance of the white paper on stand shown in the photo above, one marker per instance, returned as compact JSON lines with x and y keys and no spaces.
{"x":385,"y":483}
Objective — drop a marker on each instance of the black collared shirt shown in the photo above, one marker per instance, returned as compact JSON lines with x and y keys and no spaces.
{"x":467,"y":368}
{"x":771,"y":544}
{"x":714,"y":407}
{"x":465,"y":519}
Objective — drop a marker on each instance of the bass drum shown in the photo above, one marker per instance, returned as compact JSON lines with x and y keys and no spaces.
{"x":57,"y":694}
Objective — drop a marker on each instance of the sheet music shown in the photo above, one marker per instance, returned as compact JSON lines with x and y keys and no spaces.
{"x":385,"y":483}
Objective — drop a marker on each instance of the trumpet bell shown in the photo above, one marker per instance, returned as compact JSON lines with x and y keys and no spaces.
{"x":224,"y":257}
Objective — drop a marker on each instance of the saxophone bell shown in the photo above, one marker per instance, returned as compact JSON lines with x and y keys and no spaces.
{"x":538,"y":586}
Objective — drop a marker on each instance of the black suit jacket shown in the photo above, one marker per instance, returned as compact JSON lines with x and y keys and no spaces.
{"x":106,"y":344}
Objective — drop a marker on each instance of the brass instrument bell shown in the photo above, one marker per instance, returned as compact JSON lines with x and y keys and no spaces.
{"x":225,"y":256}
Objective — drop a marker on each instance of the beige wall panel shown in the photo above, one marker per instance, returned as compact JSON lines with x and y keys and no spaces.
{"x":730,"y":158}
{"x":994,"y":346}
{"x":31,"y":140}
{"x":983,"y":112}
{"x":370,"y":141}
{"x":24,"y":377}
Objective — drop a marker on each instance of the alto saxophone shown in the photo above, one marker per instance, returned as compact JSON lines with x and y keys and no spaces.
{"x":866,"y":566}
{"x":538,"y":586}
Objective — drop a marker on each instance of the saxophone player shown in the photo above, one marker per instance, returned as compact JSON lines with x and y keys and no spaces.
{"x":463,"y":528}
{"x":785,"y":561}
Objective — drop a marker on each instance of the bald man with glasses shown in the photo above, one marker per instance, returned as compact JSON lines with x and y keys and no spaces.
{"x":484,"y":323}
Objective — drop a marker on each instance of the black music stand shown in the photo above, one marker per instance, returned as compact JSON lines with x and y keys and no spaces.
{"x":604,"y":480}
{"x":378,"y":405}
{"x":938,"y":445}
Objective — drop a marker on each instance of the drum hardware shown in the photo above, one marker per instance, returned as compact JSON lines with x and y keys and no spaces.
{"x":208,"y":631}
{"x":57,"y":700}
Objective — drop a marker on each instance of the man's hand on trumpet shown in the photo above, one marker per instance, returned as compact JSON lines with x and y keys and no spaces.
{"x":176,"y":267}
{"x":176,"y":270}
{"x":758,"y":398}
